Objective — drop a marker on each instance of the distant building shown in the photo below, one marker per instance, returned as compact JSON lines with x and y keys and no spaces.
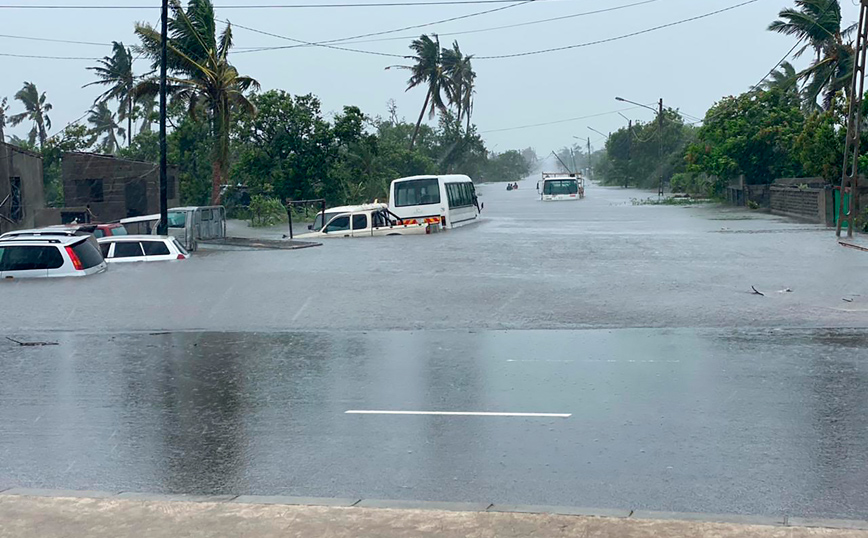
{"x":109,"y":188}
{"x":22,"y":195}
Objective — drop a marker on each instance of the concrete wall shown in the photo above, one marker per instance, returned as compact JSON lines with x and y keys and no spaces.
{"x":128,"y":188}
{"x":810,"y":204}
{"x":739,"y":193}
{"x":18,"y":163}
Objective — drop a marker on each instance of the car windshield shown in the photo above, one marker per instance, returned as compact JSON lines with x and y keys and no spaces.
{"x":561,"y":186}
{"x":318,"y":221}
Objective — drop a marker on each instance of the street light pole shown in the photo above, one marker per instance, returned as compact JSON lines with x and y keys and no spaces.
{"x":163,"y":226}
{"x":660,"y":135}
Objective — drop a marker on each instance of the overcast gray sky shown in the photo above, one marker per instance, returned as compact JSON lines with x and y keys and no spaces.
{"x":690,"y":65}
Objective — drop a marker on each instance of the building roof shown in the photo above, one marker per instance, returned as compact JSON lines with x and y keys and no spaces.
{"x":112,"y":157}
{"x":21,"y":150}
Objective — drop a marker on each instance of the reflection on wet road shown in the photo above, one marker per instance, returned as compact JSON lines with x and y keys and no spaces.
{"x":744,"y":421}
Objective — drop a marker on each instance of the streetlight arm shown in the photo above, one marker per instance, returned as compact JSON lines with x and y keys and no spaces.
{"x":598,"y":132}
{"x":635,"y":103}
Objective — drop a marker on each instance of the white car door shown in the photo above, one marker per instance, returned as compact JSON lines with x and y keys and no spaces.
{"x":361,"y":225}
{"x":126,"y":252}
{"x":338,"y":227}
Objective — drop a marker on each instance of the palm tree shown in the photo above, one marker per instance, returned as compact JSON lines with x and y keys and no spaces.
{"x":3,"y":108}
{"x":116,"y":72}
{"x":428,"y":70}
{"x":459,"y":71}
{"x":818,"y":23}
{"x":36,"y":110}
{"x":203,"y":77}
{"x":103,"y":123}
{"x":145,"y":110}
{"x":784,"y":78}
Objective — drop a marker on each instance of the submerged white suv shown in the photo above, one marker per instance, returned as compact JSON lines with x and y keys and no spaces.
{"x":37,"y":256}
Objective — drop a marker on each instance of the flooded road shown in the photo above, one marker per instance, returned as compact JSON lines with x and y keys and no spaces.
{"x":598,"y":262}
{"x":619,"y":347}
{"x":733,"y":421}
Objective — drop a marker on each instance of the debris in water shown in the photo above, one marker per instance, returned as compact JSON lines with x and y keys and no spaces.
{"x":757,"y":292}
{"x":32,"y":344}
{"x":847,"y":300}
{"x":785,"y":290}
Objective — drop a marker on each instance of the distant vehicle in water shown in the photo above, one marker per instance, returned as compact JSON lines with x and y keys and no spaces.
{"x":188,"y":224}
{"x":369,"y":220}
{"x":561,"y":186}
{"x":450,"y":200}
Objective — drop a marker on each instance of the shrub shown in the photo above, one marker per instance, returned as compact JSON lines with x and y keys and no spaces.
{"x":265,"y":211}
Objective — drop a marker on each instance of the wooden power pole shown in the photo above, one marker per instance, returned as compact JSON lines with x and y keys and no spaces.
{"x":850,"y":176}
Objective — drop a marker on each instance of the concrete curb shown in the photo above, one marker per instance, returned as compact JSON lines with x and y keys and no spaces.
{"x":776,"y":521}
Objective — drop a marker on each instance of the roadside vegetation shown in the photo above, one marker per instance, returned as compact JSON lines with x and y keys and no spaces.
{"x":791,"y":125}
{"x":227,"y":136}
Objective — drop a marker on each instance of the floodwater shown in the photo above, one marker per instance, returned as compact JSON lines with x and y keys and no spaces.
{"x":598,"y":262}
{"x":664,"y":383}
{"x":725,"y":421}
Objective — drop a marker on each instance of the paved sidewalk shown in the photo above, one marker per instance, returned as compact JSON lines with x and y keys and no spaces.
{"x":54,"y":517}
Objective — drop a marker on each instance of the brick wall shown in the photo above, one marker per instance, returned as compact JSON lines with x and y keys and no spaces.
{"x":808,"y":204}
{"x":114,"y":188}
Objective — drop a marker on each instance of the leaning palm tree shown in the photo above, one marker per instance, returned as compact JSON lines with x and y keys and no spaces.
{"x":459,"y":71}
{"x":103,"y":125}
{"x":428,"y":70}
{"x":818,"y":24}
{"x":202,"y":78}
{"x":116,"y":72}
{"x":36,"y":110}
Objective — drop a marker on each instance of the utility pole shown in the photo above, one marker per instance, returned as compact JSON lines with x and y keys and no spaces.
{"x":629,"y":151}
{"x":589,"y":158}
{"x":163,"y":226}
{"x":850,"y":176}
{"x":660,"y":135}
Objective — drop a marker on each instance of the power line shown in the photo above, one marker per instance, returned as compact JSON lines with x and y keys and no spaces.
{"x":372,"y":34}
{"x":558,"y":121}
{"x":350,"y":40}
{"x":309,"y":43}
{"x":47,"y":57}
{"x":29,"y":38}
{"x":608,"y":40}
{"x":527,"y":23}
{"x":274,"y":6}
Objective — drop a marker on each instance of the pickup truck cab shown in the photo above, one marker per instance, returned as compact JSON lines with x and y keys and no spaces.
{"x":368,"y":220}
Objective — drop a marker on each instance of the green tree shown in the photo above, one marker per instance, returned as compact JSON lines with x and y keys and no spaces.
{"x":36,"y":109}
{"x":103,"y":125}
{"x":427,"y":70}
{"x":818,"y":24}
{"x":116,"y":72}
{"x":751,"y":135}
{"x":203,"y":76}
{"x":287,"y":148}
{"x":73,"y":138}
